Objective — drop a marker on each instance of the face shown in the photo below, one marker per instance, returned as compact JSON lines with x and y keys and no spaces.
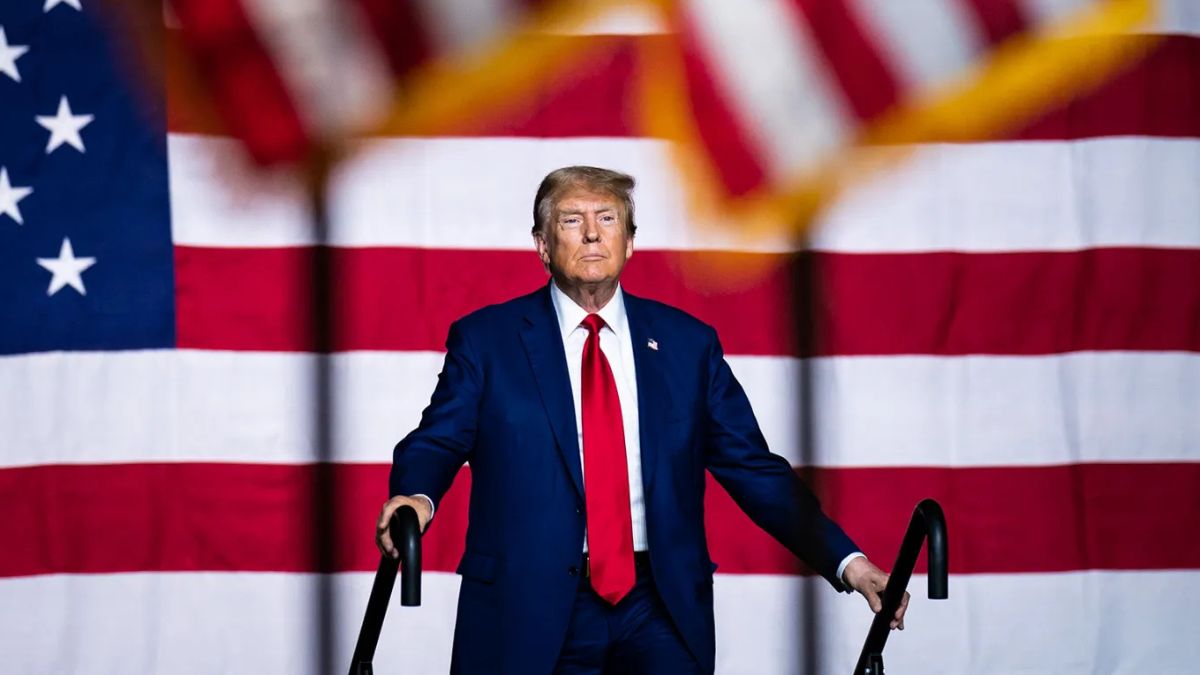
{"x":585,"y":241}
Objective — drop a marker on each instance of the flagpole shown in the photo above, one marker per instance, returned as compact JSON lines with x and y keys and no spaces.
{"x":806,"y":297}
{"x":324,"y":502}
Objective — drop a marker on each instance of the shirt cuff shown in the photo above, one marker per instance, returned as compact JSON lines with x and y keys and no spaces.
{"x":431,"y":511}
{"x":841,"y":570}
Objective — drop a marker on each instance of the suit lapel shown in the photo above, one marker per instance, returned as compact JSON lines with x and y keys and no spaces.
{"x":654,"y":392}
{"x":544,"y":347}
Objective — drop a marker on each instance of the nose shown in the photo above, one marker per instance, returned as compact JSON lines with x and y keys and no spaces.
{"x":591,"y":230}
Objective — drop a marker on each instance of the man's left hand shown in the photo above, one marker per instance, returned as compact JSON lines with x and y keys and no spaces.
{"x":863,"y":576}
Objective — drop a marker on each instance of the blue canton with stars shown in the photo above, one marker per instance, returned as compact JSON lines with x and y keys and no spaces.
{"x":86,"y":260}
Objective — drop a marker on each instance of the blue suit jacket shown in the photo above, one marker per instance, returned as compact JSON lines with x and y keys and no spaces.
{"x":503,"y":402}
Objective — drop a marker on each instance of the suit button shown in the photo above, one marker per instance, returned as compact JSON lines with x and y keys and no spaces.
{"x":573,"y":571}
{"x":578,"y":510}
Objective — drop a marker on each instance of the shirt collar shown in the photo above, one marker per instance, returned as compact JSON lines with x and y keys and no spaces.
{"x":570,"y":315}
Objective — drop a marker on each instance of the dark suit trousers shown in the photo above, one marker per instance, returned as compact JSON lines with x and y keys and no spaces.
{"x":634,"y":636}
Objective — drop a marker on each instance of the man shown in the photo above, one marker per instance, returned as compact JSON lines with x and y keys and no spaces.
{"x":589,"y":417}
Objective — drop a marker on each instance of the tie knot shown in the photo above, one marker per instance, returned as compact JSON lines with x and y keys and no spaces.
{"x":593,"y":323}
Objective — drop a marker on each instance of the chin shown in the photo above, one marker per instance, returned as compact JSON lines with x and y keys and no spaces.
{"x":593,"y":275}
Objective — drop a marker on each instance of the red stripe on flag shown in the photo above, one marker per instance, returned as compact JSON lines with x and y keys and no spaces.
{"x":869,"y":85}
{"x":1000,"y":519}
{"x":996,"y":20}
{"x":898,"y":303}
{"x":401,"y":30}
{"x":251,"y":96}
{"x":730,"y":146}
{"x":254,"y":517}
{"x":1009,"y":303}
{"x":1159,"y":96}
{"x":597,"y":97}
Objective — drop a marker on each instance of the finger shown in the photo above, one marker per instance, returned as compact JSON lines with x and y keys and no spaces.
{"x":873,"y":600}
{"x":383,"y":536}
{"x":383,"y":540}
{"x":385,"y":514}
{"x":879,"y":586}
{"x":903,"y":607}
{"x":386,"y":546}
{"x":900,"y":611}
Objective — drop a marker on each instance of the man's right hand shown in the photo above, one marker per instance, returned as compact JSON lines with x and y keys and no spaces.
{"x":383,"y":538}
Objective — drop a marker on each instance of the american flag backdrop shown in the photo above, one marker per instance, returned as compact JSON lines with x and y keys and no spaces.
{"x":1011,"y":327}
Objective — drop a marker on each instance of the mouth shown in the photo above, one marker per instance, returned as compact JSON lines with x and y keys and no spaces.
{"x":592,"y":257}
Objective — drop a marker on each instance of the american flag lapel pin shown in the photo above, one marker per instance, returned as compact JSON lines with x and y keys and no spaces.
{"x":652,"y":344}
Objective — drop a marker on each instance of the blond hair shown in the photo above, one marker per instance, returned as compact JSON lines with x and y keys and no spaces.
{"x":560,"y":181}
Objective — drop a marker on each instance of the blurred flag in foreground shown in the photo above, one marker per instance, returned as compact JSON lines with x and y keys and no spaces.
{"x":778,"y":95}
{"x":289,"y":78}
{"x":767,"y":100}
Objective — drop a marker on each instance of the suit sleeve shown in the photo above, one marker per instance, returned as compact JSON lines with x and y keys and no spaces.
{"x":426,"y":461}
{"x":763,"y":484}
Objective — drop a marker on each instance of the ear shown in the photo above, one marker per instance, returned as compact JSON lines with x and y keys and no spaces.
{"x":539,"y":242}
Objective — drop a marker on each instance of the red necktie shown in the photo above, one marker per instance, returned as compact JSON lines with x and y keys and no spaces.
{"x":605,"y":473}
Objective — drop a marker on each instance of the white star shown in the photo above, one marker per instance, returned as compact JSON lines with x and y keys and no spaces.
{"x":64,"y":127}
{"x":51,"y":4}
{"x":10,"y":196}
{"x":67,"y":269}
{"x":9,"y":56}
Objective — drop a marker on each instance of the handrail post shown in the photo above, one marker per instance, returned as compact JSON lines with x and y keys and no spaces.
{"x":405,"y":528}
{"x":927,"y":523}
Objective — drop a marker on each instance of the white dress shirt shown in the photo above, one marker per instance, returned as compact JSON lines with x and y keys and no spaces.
{"x":617,"y":345}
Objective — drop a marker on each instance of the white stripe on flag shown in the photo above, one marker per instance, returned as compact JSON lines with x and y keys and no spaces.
{"x":926,"y":41}
{"x":205,"y":623}
{"x":258,"y":407}
{"x":1172,"y":16}
{"x":1017,"y":196}
{"x":1076,"y":623}
{"x":1006,"y":410}
{"x":478,"y":194}
{"x":182,"y":623}
{"x":1179,"y":16}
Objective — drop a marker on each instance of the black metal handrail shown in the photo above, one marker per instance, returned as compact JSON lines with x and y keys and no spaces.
{"x":928,"y":522}
{"x":405,"y":529}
